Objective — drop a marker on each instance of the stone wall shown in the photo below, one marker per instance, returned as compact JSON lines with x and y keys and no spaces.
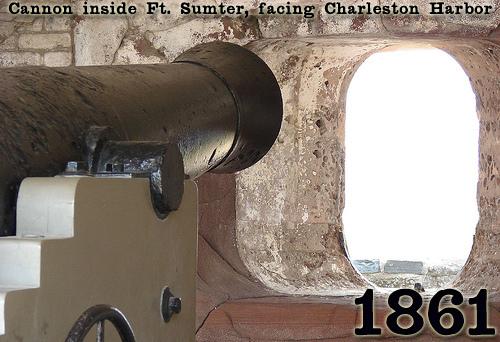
{"x":29,"y":40}
{"x":141,"y":38}
{"x":397,"y":274}
{"x":290,"y":234}
{"x":91,"y":40}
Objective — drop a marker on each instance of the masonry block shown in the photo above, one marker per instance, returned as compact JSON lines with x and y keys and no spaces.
{"x":11,"y":59}
{"x":57,"y":59}
{"x":44,"y":41}
{"x":401,"y":266}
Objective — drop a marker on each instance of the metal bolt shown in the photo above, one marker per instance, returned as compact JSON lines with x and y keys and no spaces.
{"x":170,"y":304}
{"x":175,"y":304}
{"x":78,"y":167}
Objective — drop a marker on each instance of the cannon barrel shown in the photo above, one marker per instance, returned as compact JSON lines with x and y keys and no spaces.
{"x":218,"y":102}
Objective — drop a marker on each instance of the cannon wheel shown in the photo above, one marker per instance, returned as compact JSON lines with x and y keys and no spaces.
{"x":97,"y":315}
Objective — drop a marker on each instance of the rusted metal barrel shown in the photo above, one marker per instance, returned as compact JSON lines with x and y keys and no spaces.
{"x":219,"y":102}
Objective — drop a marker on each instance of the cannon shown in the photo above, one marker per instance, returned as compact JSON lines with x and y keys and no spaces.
{"x":98,"y":208}
{"x":218,"y":104}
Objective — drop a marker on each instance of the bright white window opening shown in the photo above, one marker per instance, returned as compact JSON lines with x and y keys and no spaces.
{"x":411,"y":164}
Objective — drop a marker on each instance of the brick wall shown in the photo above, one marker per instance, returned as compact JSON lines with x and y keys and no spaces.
{"x":31,"y":40}
{"x":92,"y":40}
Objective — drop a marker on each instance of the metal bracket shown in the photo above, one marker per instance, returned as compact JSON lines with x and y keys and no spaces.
{"x":170,"y":304}
{"x":161,"y":162}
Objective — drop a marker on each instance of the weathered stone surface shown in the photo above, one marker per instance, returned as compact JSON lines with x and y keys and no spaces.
{"x":98,"y":39}
{"x":305,"y":166}
{"x":324,"y":24}
{"x":432,"y":277}
{"x":34,"y":26}
{"x":44,"y":41}
{"x":6,"y":17}
{"x":289,"y":26}
{"x":402,"y":266}
{"x":158,"y":22}
{"x":6,"y":29}
{"x":23,"y":18}
{"x":57,"y":23}
{"x":367,"y":266}
{"x":481,"y":62}
{"x":138,"y":50}
{"x":11,"y":59}
{"x":57,"y":59}
{"x":349,"y":24}
{"x":201,"y":30}
{"x":398,"y":280}
{"x":290,"y":235}
{"x":10,"y":43}
{"x":457,"y":24}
